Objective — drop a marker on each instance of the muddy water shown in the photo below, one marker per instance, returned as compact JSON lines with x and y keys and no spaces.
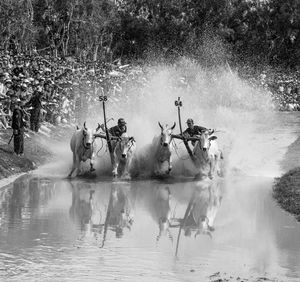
{"x":52,"y":229}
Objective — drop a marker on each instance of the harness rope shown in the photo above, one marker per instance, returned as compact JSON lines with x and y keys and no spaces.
{"x":102,"y":145}
{"x":176,"y":151}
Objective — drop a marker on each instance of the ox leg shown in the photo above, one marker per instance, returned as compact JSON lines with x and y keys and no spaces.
{"x":211,"y":167}
{"x":126,"y":174}
{"x":115,"y":168}
{"x":73,"y":166}
{"x":169,"y":165}
{"x":77,"y":166}
{"x":157,"y":168}
{"x":92,"y":163}
{"x":219,"y":160}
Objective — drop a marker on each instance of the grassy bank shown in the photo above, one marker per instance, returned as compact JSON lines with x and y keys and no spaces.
{"x":287,"y":192}
{"x":36,"y":149}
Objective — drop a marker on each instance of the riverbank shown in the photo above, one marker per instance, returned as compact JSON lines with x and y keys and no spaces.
{"x":287,"y":192}
{"x":36,"y":150}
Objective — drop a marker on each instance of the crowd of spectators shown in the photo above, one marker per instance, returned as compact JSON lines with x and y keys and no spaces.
{"x":283,"y":85}
{"x":56,"y":90}
{"x":285,"y":89}
{"x":38,"y":85}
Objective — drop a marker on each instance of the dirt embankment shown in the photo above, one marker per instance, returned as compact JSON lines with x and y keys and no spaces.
{"x":287,"y":192}
{"x":36,"y":151}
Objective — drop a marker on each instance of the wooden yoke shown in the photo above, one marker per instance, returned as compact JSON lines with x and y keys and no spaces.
{"x":103,"y":136}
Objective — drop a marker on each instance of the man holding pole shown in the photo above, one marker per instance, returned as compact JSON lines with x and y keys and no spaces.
{"x":118,"y":129}
{"x":194,"y":130}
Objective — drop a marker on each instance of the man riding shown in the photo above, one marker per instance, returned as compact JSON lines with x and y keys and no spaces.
{"x":194,"y":130}
{"x":118,"y":129}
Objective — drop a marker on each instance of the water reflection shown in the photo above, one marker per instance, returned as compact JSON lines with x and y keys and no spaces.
{"x":100,"y":210}
{"x":84,"y":211}
{"x":25,"y":197}
{"x":188,"y":207}
{"x":161,"y":212}
{"x":202,"y":209}
{"x":119,"y":215}
{"x":53,"y":223}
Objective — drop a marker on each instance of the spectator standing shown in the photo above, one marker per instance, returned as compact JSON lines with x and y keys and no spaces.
{"x":35,"y":115}
{"x":18,"y":129}
{"x":2,"y":87}
{"x":3,"y":116}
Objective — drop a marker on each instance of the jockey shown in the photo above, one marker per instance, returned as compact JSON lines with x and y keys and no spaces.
{"x":119,"y":129}
{"x":194,"y":130}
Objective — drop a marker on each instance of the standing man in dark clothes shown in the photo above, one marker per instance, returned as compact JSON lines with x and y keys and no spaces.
{"x":35,"y":114}
{"x":18,"y":129}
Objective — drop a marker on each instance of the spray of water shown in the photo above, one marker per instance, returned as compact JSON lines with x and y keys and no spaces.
{"x":216,"y":98}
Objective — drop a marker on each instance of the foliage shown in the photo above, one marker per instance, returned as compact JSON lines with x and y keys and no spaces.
{"x":266,"y":31}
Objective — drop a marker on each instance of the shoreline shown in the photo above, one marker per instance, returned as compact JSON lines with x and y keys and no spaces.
{"x":286,"y":192}
{"x":36,"y":151}
{"x":8,"y":180}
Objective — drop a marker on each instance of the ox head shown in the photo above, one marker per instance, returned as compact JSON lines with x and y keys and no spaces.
{"x":125,"y":145}
{"x":87,"y":137}
{"x":205,"y":138}
{"x":166,"y":134}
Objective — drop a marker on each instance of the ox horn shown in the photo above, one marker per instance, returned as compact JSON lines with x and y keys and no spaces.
{"x":160,"y":125}
{"x":173,"y":126}
{"x":98,"y":127}
{"x":84,"y":126}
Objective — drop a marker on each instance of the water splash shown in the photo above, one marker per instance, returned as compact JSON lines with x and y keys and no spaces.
{"x":213,"y":98}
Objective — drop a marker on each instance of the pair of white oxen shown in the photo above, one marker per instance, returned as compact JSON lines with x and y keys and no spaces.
{"x":206,"y":153}
{"x":83,"y":148}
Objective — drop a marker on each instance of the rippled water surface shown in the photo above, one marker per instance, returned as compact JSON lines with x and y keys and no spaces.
{"x":53,"y":229}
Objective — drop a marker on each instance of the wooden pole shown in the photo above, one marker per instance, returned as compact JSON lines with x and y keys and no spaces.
{"x":103,"y":99}
{"x":178,"y":104}
{"x":187,"y":212}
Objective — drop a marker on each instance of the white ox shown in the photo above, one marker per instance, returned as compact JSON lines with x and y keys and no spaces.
{"x":86,"y":210}
{"x":124,"y":149}
{"x":82,"y":146}
{"x":163,"y":149}
{"x":207,"y":155}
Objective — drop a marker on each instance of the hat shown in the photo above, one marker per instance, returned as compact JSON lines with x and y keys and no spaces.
{"x":189,"y":120}
{"x":8,"y":81}
{"x":121,"y":121}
